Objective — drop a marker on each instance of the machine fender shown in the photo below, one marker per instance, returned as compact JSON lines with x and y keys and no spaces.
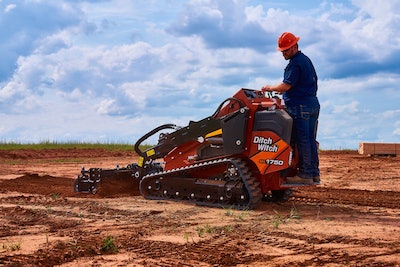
{"x":269,"y":152}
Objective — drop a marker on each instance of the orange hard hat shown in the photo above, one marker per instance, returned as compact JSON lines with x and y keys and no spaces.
{"x":286,"y":41}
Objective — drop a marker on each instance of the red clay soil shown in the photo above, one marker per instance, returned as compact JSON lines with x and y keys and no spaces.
{"x":351,"y":219}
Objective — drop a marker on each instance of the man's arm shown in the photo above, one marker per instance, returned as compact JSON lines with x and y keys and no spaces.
{"x":280,"y":87}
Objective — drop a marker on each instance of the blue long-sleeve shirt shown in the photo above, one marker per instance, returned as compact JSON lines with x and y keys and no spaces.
{"x":300,"y":74}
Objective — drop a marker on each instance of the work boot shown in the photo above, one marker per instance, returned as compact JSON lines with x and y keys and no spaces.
{"x":317,"y":179}
{"x":299,"y":180}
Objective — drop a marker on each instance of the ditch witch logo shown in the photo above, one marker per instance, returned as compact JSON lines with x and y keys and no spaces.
{"x":265,"y":144}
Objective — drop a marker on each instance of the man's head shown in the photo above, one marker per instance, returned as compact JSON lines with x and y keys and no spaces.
{"x":287,"y":44}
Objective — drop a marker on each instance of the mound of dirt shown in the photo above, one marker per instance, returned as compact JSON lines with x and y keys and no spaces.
{"x":35,"y":184}
{"x":50,"y":185}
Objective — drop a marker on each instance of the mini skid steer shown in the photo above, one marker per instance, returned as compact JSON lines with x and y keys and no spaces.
{"x":235,"y":158}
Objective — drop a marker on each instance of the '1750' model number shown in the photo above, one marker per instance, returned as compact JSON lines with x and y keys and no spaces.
{"x":274,"y":162}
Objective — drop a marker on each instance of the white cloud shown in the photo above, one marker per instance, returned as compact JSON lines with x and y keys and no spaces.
{"x":391,"y":114}
{"x":350,"y":108}
{"x":396,"y":131}
{"x":9,"y":7}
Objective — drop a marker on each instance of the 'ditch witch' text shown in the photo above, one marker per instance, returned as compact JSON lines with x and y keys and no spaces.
{"x":265,"y":144}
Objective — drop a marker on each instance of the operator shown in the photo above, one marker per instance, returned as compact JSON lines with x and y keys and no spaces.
{"x":299,"y":89}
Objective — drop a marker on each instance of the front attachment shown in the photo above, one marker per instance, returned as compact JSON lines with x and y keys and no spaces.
{"x":88,"y":181}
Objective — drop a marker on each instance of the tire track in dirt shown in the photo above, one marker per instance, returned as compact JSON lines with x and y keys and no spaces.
{"x":226,"y":250}
{"x":314,"y":246}
{"x":387,"y":199}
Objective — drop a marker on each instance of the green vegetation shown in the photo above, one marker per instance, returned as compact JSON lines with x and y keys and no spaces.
{"x":207,"y":229}
{"x":228,"y":212}
{"x":187,"y":235}
{"x":109,"y":245}
{"x":12,"y":246}
{"x":68,"y":145}
{"x":277,"y":218}
{"x":243,"y":214}
{"x":54,"y":196}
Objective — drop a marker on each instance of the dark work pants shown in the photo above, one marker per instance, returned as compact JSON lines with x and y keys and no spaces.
{"x":305,"y":122}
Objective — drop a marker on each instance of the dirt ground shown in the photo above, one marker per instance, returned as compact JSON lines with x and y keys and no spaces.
{"x":351,"y":219}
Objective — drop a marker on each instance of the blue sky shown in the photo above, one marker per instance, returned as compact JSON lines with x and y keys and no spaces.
{"x":109,"y":71}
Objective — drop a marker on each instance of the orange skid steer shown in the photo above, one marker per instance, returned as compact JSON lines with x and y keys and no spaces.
{"x":235,"y":158}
